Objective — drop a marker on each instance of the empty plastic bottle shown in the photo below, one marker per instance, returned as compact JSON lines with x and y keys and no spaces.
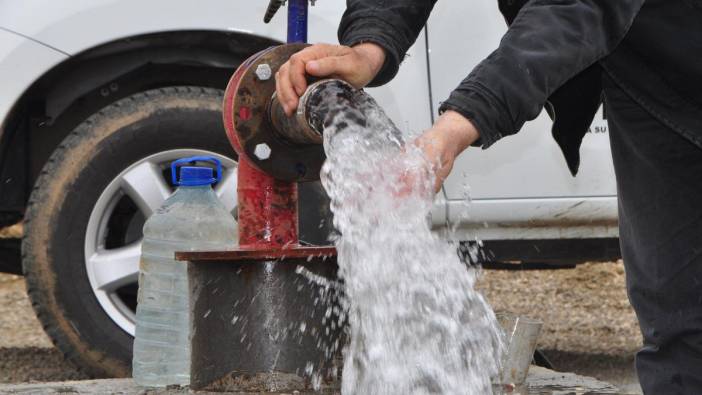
{"x":191,"y":219}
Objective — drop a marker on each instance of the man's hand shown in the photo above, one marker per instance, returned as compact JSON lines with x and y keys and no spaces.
{"x":451,"y":134}
{"x":357,"y":65}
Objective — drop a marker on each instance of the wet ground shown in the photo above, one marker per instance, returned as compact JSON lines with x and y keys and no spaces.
{"x":540,"y":382}
{"x":589,"y":326}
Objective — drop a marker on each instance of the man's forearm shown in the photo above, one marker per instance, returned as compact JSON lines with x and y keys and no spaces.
{"x":393,"y":25}
{"x":457,"y":130}
{"x":548,"y":43}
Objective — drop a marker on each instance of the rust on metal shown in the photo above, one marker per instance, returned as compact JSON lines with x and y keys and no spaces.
{"x":267,"y":209}
{"x":295,"y":128}
{"x":247,"y":120}
{"x":259,"y":326}
{"x":267,"y":201}
{"x":257,"y":254}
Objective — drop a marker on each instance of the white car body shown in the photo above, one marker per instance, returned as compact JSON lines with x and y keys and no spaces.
{"x":520,"y":188}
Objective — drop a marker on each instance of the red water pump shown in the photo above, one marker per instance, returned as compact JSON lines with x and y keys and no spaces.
{"x":275,"y":151}
{"x":257,"y":324}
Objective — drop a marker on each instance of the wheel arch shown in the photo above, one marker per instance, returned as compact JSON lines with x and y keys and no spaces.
{"x":70,"y":91}
{"x":97,"y":66}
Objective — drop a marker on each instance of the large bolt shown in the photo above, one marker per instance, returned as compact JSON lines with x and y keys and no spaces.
{"x":263,"y":71}
{"x":262,"y":151}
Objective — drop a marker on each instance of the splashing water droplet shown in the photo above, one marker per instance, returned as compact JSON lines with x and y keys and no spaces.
{"x":416,"y":324}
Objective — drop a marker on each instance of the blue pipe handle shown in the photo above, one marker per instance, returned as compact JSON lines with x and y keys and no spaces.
{"x":297,"y":21}
{"x":190,"y":159}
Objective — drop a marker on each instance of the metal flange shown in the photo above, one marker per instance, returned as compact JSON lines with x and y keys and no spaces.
{"x":247,"y":104}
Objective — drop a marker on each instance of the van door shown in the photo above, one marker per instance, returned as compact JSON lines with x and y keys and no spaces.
{"x":522,"y":177}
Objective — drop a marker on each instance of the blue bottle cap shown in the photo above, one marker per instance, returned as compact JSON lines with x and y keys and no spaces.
{"x":195,"y":175}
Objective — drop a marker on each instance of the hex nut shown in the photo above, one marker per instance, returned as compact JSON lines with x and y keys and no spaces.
{"x":262,"y":151}
{"x":263,"y":71}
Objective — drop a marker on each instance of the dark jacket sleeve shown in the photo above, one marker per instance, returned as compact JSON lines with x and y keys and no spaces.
{"x":392,"y":24}
{"x":549,"y":42}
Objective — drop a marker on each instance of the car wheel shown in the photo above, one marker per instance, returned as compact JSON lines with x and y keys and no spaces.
{"x":83,"y":224}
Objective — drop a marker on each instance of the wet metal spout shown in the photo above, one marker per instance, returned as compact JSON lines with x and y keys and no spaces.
{"x":305,"y":126}
{"x":285,"y":148}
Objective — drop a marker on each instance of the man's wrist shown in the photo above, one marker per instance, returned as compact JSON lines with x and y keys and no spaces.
{"x":456,"y":129}
{"x":373,"y":53}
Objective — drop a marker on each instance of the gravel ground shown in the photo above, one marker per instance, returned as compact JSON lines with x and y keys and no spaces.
{"x":26,"y":353}
{"x":589,"y":327}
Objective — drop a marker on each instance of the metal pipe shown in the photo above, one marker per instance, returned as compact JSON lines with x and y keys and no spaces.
{"x":306,"y":125}
{"x":268,"y":207}
{"x":275,"y":350}
{"x":297,"y":21}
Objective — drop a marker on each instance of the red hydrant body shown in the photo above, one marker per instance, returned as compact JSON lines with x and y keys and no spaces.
{"x":267,"y":207}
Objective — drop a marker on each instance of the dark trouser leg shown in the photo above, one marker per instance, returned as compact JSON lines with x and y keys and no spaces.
{"x":659,"y":178}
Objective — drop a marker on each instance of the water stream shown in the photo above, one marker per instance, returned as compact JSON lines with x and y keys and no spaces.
{"x":416,"y":323}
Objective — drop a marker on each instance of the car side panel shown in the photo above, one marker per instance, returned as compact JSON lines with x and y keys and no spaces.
{"x":79,"y":25}
{"x":529,"y":164}
{"x":21,"y":61}
{"x":520,"y":187}
{"x":545,"y":218}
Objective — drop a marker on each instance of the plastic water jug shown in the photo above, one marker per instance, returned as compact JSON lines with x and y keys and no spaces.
{"x":191,"y":219}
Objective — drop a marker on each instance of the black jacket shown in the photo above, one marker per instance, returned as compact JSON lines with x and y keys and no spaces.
{"x":553,"y":55}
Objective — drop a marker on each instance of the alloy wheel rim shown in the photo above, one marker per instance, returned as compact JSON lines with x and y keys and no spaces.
{"x":144,"y":182}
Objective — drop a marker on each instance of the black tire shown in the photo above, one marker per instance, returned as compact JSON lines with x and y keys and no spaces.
{"x":63,"y":198}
